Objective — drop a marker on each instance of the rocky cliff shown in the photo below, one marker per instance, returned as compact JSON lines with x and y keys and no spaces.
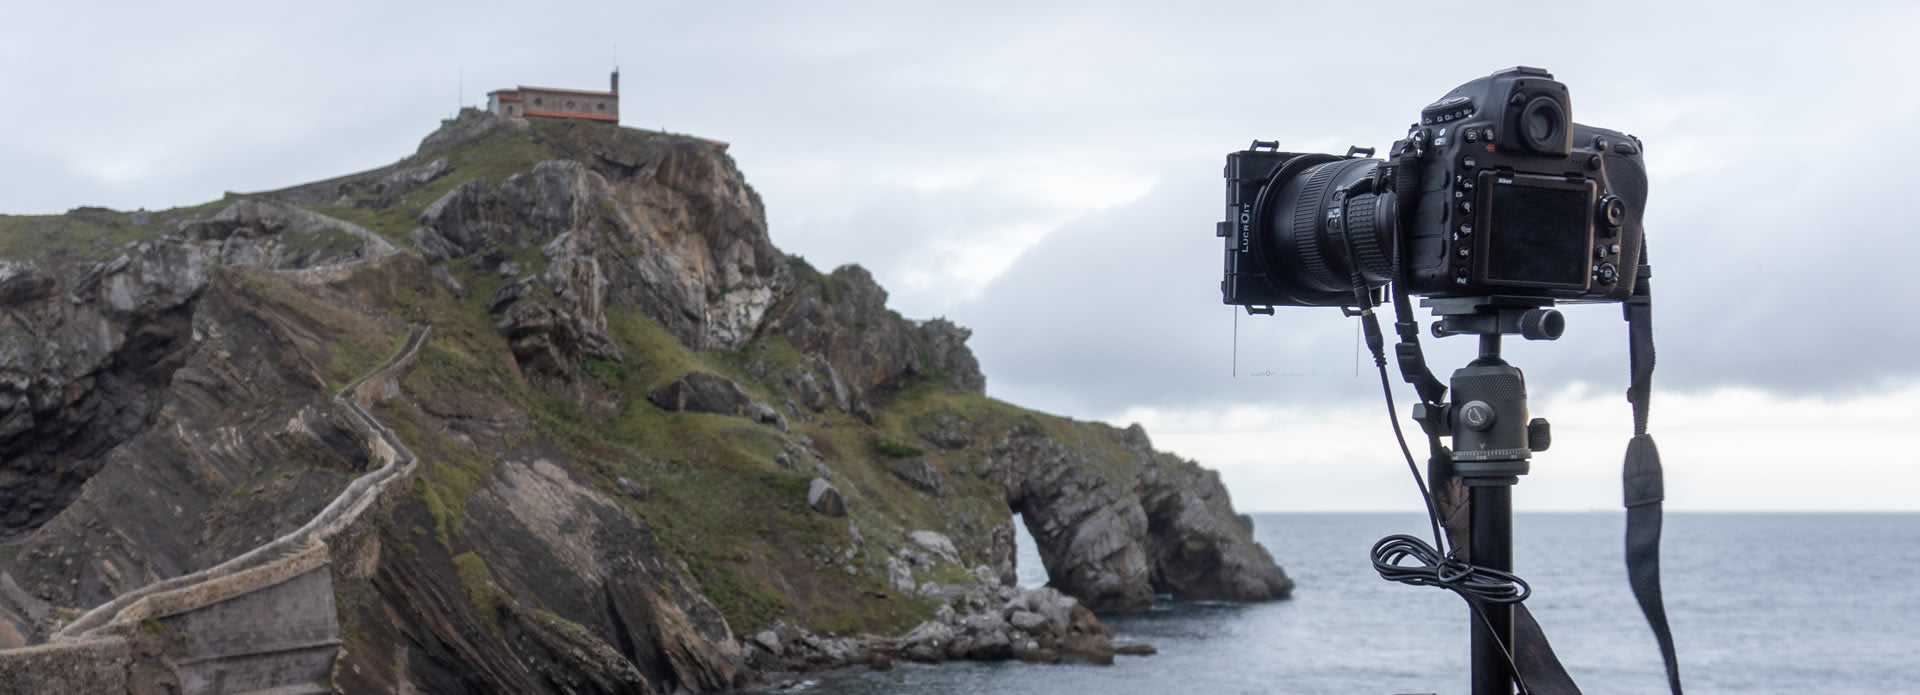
{"x":654,"y":452}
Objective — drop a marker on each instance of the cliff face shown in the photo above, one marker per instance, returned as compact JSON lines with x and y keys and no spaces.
{"x":626,"y":418}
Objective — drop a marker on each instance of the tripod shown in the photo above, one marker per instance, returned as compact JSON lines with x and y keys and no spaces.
{"x":1492,"y":443}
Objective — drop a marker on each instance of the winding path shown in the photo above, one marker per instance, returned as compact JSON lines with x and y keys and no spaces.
{"x":261,"y":623}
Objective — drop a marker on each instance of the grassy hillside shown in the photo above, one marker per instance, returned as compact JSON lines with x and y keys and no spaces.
{"x":707,"y":485}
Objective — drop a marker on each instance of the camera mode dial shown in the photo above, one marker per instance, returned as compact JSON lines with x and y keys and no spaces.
{"x":1446,"y":111}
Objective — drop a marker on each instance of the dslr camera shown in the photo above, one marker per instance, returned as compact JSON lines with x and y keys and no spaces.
{"x":1496,"y":191}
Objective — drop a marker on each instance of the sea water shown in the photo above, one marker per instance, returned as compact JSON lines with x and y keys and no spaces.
{"x":1759,"y":603}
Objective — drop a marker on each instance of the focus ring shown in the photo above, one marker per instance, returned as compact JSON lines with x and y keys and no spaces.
{"x":1364,"y":220}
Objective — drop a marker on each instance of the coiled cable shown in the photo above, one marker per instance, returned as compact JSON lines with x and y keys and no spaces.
{"x":1431,"y":568}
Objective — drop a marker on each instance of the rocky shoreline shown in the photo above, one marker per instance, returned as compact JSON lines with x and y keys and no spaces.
{"x":976,"y":621}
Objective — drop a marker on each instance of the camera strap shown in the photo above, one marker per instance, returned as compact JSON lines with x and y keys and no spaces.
{"x":1642,"y":480}
{"x":1643,"y":490}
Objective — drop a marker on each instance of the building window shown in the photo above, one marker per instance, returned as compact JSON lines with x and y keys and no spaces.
{"x":602,"y":106}
{"x":569,"y":103}
{"x":536,"y":101}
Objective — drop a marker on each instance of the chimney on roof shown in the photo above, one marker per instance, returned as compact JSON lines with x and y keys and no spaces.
{"x":616,"y":80}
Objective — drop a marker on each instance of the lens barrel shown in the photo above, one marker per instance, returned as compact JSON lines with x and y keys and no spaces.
{"x":1319,"y":234}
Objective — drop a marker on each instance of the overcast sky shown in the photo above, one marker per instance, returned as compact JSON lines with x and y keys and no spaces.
{"x":1049,"y":175}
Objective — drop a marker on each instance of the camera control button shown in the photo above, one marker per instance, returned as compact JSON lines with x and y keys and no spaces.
{"x":1466,"y":206}
{"x":1613,"y":213}
{"x":1625,"y":148}
{"x":1606,"y":274}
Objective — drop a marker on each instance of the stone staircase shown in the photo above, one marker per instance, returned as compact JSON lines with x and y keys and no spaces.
{"x":262,"y":623}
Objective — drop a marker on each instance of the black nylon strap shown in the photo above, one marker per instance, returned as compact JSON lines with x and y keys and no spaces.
{"x":1643,"y":546}
{"x":1413,"y":363}
{"x":1539,"y":667}
{"x":1642,"y":485}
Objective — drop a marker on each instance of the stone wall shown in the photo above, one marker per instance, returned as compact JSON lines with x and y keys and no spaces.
{"x":262,"y":620}
{"x":284,"y":633}
{"x":556,"y":102}
{"x":93,"y":666}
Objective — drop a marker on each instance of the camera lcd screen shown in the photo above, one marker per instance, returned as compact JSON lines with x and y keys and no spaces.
{"x":1538,"y":234}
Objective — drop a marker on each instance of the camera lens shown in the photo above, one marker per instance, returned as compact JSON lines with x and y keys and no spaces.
{"x":1543,"y":125}
{"x":1318,"y":239}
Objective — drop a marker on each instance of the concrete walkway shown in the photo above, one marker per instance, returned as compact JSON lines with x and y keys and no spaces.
{"x":262,"y":622}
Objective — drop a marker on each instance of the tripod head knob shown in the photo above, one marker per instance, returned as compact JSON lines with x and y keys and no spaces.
{"x":1542,"y":324}
{"x":1539,"y":434}
{"x":1477,"y":416}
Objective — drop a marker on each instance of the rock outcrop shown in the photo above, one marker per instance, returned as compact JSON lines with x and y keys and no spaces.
{"x":579,"y":521}
{"x":1116,"y":531}
{"x":981,"y":620}
{"x":170,"y":367}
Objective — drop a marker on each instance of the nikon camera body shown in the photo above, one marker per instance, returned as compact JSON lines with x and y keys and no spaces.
{"x":1496,"y":191}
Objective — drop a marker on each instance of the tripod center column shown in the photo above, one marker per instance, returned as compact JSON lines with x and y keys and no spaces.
{"x":1490,"y":453}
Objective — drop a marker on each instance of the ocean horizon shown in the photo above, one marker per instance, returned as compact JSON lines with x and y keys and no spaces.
{"x":1753,"y":598}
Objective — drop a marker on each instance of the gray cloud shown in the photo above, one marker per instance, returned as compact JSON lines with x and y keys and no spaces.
{"x":1775,"y":214}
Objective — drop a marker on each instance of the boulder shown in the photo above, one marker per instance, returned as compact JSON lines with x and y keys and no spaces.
{"x":394,"y":187}
{"x":946,"y":431}
{"x":700,"y":392}
{"x":824,"y":498}
{"x":1025,"y":620}
{"x":928,"y":642}
{"x":936,"y":543}
{"x":805,"y":387}
{"x":766,"y":415}
{"x":900,"y":577}
{"x":918,"y":472}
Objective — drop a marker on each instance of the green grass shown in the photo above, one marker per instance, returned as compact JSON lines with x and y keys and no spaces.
{"x":329,"y":241}
{"x":443,"y":517}
{"x":481,"y":591}
{"x":493,"y":158}
{"x":87,"y":233}
{"x":892,"y":449}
